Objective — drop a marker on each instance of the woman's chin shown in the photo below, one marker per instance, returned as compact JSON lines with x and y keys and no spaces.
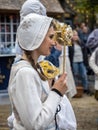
{"x":48,"y":54}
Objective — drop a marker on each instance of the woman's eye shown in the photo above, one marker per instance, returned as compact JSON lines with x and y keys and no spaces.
{"x":51,"y":36}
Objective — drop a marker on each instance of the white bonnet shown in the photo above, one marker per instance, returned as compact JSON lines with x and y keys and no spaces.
{"x":32,"y":6}
{"x":32,"y":31}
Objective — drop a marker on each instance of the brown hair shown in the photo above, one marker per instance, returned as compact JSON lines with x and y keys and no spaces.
{"x":35,"y":66}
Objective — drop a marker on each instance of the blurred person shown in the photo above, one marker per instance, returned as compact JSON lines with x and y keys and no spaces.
{"x":29,"y":6}
{"x":77,"y":61}
{"x":84,"y":29}
{"x":85,"y":34}
{"x":81,"y":26}
{"x":93,"y":62}
{"x":71,"y":92}
{"x":84,"y":37}
{"x":92,"y":41}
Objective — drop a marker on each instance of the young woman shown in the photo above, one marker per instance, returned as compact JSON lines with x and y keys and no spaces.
{"x":35,"y":6}
{"x":33,"y":102}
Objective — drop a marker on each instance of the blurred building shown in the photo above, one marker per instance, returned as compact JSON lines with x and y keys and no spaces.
{"x":69,"y":12}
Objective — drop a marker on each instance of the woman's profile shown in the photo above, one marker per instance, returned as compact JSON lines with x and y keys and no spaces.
{"x":34,"y":103}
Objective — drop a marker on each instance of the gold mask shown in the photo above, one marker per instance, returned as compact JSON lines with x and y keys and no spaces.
{"x":63,"y":33}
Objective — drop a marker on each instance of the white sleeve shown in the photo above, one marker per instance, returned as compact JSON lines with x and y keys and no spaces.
{"x":33,"y":113}
{"x":92,"y":63}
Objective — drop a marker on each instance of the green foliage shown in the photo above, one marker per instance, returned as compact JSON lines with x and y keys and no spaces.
{"x":87,"y":5}
{"x":87,"y":10}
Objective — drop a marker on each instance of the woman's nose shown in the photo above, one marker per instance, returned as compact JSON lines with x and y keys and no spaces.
{"x":54,"y":43}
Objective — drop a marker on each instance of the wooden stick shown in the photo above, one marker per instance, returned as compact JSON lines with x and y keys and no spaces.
{"x":64,"y":58}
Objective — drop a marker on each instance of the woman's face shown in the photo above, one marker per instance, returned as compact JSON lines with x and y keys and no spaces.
{"x":48,"y":43}
{"x":75,"y":36}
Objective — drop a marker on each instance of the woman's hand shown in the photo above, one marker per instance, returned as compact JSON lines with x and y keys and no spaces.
{"x":60,"y":84}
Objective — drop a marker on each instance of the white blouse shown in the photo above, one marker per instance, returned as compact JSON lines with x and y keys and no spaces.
{"x":34,"y":104}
